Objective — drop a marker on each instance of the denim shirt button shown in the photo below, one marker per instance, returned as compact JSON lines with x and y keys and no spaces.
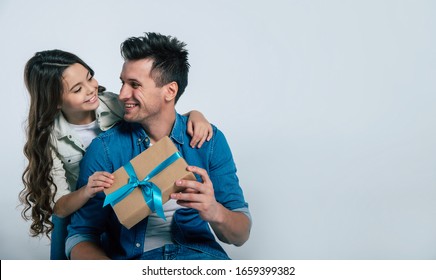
{"x":137,"y":245}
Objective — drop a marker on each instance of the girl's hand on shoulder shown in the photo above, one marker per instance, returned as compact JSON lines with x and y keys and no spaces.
{"x":97,"y":182}
{"x":199,"y":129}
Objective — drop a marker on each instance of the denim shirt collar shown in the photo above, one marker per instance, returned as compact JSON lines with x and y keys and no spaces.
{"x":178,"y":130}
{"x":176,"y":134}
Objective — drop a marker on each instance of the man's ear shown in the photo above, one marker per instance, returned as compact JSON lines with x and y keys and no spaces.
{"x":171,"y":91}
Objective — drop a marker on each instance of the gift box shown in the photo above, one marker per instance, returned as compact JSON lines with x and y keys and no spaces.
{"x":144,"y":184}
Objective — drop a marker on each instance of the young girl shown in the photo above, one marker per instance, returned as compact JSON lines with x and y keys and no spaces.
{"x":67,"y":110}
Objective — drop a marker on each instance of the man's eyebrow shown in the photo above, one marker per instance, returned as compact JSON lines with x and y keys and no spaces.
{"x":130,"y":80}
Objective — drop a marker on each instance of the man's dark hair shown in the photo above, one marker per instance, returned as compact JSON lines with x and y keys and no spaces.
{"x":170,"y":58}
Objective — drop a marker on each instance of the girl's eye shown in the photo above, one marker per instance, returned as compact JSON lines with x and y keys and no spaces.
{"x":77,"y":90}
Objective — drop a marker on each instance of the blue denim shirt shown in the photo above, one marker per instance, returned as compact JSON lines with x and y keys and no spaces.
{"x":117,"y":146}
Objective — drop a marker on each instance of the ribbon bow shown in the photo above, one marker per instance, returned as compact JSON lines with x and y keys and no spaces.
{"x":151,"y":193}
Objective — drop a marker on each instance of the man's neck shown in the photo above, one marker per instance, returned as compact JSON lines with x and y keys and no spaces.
{"x":160,"y":127}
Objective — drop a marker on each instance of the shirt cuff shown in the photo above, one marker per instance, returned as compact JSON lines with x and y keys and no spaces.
{"x":76,"y":239}
{"x":245,"y":211}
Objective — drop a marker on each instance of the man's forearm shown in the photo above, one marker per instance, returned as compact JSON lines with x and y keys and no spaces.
{"x":232,"y":227}
{"x":88,"y":251}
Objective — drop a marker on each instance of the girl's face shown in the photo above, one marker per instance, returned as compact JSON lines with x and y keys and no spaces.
{"x":80,"y":96}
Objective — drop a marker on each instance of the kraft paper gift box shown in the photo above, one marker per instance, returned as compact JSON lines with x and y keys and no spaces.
{"x":128,"y":194}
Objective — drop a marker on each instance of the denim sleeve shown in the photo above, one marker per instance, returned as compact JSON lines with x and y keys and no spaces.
{"x":222,"y":172}
{"x":88,"y":222}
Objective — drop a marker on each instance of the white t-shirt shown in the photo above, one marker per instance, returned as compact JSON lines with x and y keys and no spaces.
{"x":159,"y":231}
{"x":86,"y":132}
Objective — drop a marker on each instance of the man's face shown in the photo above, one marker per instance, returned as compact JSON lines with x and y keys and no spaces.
{"x":141,"y":98}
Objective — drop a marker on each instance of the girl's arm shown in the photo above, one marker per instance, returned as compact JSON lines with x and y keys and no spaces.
{"x":199,"y":128}
{"x":71,"y":202}
{"x":67,"y":202}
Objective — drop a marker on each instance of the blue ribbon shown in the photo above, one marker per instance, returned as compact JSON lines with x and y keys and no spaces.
{"x":151,"y":193}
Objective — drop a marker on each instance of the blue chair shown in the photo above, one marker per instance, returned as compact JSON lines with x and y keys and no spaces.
{"x":58,"y":237}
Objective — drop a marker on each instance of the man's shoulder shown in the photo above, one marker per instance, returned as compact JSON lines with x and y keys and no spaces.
{"x":121,"y":130}
{"x":184,"y":123}
{"x":109,"y":142}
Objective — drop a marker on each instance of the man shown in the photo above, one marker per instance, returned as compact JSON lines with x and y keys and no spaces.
{"x":154,"y":76}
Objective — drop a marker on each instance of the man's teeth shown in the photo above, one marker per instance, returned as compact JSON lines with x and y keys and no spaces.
{"x":130,"y":105}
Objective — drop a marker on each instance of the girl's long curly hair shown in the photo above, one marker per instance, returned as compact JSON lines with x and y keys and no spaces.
{"x":44,"y":82}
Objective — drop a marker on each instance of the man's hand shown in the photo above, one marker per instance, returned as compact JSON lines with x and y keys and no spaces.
{"x":230,"y":227}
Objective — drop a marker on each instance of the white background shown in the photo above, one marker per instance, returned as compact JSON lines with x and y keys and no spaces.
{"x":329,"y":107}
